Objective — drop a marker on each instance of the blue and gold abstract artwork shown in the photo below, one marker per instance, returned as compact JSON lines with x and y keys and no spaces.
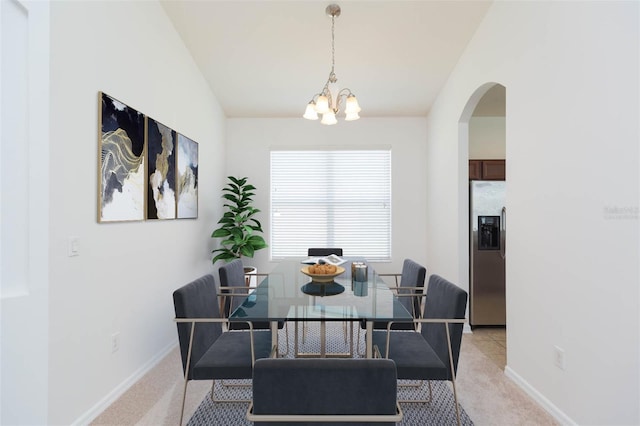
{"x":187,"y":170}
{"x":122,"y":167}
{"x":161,"y":195}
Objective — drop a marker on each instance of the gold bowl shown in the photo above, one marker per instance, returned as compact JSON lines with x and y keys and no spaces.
{"x":322,"y":278}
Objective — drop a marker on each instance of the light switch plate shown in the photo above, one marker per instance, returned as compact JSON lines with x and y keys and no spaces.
{"x":73,"y":247}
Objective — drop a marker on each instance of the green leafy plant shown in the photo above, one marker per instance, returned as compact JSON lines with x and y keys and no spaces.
{"x":239,"y":227}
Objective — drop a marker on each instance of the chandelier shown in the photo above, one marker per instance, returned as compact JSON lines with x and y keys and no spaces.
{"x":330,"y":99}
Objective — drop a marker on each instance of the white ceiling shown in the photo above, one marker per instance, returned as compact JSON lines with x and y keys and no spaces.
{"x":268,"y":58}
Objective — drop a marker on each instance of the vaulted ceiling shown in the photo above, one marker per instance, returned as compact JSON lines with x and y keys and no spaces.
{"x":268,"y":58}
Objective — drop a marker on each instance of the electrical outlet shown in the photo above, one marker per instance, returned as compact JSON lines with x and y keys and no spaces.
{"x":115,"y":342}
{"x":559,"y":357}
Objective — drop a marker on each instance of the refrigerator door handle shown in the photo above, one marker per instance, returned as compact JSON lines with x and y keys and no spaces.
{"x":503,"y":225}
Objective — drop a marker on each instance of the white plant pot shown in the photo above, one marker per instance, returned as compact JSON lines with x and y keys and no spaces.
{"x":251,"y":277}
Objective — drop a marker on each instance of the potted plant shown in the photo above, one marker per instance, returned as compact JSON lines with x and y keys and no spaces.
{"x":238,"y":226}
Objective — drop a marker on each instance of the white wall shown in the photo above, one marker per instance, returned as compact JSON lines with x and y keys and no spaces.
{"x":571,"y":73}
{"x":249,"y":141}
{"x":24,"y":196}
{"x":487,"y":138}
{"x":123,"y":279}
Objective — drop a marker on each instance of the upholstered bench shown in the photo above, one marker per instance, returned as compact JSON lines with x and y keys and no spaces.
{"x":324,"y":390}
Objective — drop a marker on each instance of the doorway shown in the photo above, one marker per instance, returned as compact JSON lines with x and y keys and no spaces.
{"x":482,"y":137}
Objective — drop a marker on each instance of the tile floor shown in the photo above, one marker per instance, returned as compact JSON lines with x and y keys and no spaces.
{"x":492,"y":342}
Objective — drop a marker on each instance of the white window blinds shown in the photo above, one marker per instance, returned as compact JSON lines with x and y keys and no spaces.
{"x":331,"y":199}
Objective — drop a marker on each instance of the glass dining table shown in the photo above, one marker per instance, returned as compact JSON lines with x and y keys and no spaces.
{"x":287,"y":294}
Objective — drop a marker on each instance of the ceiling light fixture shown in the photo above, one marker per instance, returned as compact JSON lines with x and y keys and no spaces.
{"x":328,"y":101}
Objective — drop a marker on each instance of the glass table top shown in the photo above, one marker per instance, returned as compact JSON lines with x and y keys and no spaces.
{"x":288,"y":294}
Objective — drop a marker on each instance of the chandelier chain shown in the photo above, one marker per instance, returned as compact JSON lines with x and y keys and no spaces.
{"x":333,"y":43}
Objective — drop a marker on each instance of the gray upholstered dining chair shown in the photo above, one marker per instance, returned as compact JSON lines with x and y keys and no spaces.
{"x":207,"y":351}
{"x":233,"y":287}
{"x":432,"y":353}
{"x":354,"y":390}
{"x":409,"y":289}
{"x":410,"y":292}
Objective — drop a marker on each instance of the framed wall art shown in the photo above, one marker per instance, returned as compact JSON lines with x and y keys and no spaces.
{"x":187,"y":171}
{"x":161,"y":190}
{"x":121,"y":162}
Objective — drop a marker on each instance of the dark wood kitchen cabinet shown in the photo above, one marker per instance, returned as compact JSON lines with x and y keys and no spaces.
{"x":487,"y":170}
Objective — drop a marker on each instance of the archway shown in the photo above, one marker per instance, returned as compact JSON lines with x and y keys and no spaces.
{"x":482,"y":139}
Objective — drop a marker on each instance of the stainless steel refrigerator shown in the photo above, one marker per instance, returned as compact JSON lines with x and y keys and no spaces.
{"x":487,"y":303}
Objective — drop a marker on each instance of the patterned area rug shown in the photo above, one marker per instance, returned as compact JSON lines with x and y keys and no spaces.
{"x":440,"y":411}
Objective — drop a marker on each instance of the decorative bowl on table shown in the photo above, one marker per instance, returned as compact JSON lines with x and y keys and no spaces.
{"x":322,"y":278}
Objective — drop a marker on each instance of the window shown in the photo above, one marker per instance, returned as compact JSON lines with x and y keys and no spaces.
{"x":331,"y":199}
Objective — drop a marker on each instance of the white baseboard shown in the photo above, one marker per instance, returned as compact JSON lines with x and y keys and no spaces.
{"x":549,"y":407}
{"x":119,"y":390}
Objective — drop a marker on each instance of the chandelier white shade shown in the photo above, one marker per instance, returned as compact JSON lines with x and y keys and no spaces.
{"x":326,"y":103}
